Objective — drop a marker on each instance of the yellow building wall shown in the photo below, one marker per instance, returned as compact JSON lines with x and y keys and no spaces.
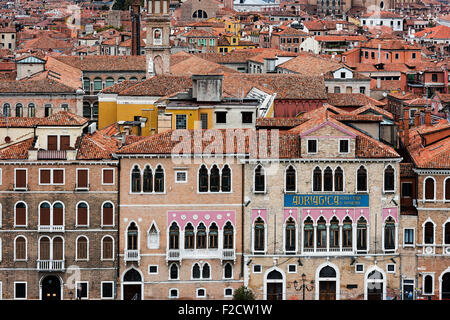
{"x":192,"y":117}
{"x":127,"y":112}
{"x":107,"y":114}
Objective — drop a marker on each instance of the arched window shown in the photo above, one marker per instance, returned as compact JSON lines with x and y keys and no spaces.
{"x":109,"y":82}
{"x":361,"y":234}
{"x":321,"y":233}
{"x":153,"y":238}
{"x":389,"y":180}
{"x":200,"y":14}
{"x":20,"y":245}
{"x":317,"y":179}
{"x":6,"y":110}
{"x":429,"y":188}
{"x":196,"y":271}
{"x":334,"y":233}
{"x":173,"y":272}
{"x":206,"y":271}
{"x":58,"y":249}
{"x":107,"y":248}
{"x":44,"y":214}
{"x":308,"y":235}
{"x":327,"y":272}
{"x":447,"y":189}
{"x":132,"y":237}
{"x":136,"y":179}
{"x":174,"y":236}
{"x":147,"y":183}
{"x":290,"y":178}
{"x":98,"y":84}
{"x":159,"y":179}
{"x":82,"y":214}
{"x":214,"y":179}
{"x":226,"y":179}
{"x":228,"y":236}
{"x":259,"y":235}
{"x":347,"y":233}
{"x":82,"y":248}
{"x":21,"y":214}
{"x":107,"y":214}
{"x":121,"y":79}
{"x":86,"y":85}
{"x":189,"y":236}
{"x":58,"y":214}
{"x":290,"y":238}
{"x":203,"y":179}
{"x":338,"y":179}
{"x":328,"y":179}
{"x":133,"y":79}
{"x":428,"y":284}
{"x":227,"y":271}
{"x":201,"y":236}
{"x":361,"y":179}
{"x":213,"y":236}
{"x":31,"y":110}
{"x":44,"y":248}
{"x":389,"y":234}
{"x":19,"y":110}
{"x":429,"y":233}
{"x":260,"y":185}
{"x":447,"y":233}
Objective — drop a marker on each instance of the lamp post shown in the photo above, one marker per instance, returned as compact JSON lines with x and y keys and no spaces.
{"x":303,"y":287}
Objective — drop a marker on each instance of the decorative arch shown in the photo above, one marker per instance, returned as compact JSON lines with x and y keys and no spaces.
{"x":368,"y":273}
{"x":336,"y":278}
{"x":275,"y":275}
{"x":153,"y":236}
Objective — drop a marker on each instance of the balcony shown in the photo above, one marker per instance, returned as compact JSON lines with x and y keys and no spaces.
{"x":44,"y":228}
{"x":132,"y":255}
{"x":228,"y":254}
{"x":173,"y":255}
{"x":51,"y":155}
{"x":50,"y":265}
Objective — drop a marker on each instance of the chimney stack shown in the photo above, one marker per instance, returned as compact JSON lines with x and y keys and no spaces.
{"x":427,"y":116}
{"x":135,"y":28}
{"x":417,"y":119}
{"x":405,"y":127}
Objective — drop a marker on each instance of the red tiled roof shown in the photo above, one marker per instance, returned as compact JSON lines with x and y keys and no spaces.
{"x":351,"y":99}
{"x":17,"y":150}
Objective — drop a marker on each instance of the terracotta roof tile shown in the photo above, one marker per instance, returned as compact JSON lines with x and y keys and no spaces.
{"x":17,"y":150}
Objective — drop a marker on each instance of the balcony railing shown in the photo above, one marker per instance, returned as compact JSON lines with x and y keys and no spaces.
{"x":173,"y":255}
{"x":228,"y":254}
{"x":132,"y":255}
{"x":52,"y":155}
{"x":50,"y":265}
{"x":44,"y":228}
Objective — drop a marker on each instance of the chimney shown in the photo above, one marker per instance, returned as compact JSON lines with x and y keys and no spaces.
{"x":378,"y":83}
{"x":417,"y":119}
{"x":428,"y":116}
{"x":405,"y":127}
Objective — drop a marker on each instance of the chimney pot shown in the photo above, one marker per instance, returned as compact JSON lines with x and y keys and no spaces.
{"x":428,"y":116}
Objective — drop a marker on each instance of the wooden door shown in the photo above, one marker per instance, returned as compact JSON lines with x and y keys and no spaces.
{"x":131,"y":292}
{"x":274,"y":291}
{"x":327,"y":290}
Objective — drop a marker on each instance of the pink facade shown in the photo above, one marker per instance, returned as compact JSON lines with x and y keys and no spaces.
{"x":195,"y":217}
{"x":341,"y":213}
{"x":259,"y":213}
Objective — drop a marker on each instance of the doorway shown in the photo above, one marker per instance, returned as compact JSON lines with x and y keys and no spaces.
{"x":51,"y":288}
{"x":327,"y":283}
{"x":132,"y":285}
{"x":375,"y":286}
{"x":274,"y":285}
{"x":445,"y":289}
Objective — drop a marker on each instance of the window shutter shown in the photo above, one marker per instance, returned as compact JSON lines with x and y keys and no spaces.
{"x":21,"y":216}
{"x":64,"y":142}
{"x":82,"y":248}
{"x":58,"y":176}
{"x":44,"y":216}
{"x":107,"y":248}
{"x":58,"y":249}
{"x":52,"y":143}
{"x":107,"y":216}
{"x":21,"y":249}
{"x":82,"y":216}
{"x":108,"y":176}
{"x":57,"y":216}
{"x":44,"y":176}
{"x":21,"y":178}
{"x":82,"y":178}
{"x":44,"y":249}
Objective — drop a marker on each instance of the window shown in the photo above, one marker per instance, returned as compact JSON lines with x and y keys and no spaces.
{"x":201,"y":236}
{"x":174,"y":235}
{"x":107,"y":176}
{"x":82,"y":290}
{"x":362,"y":90}
{"x":337,"y":89}
{"x":65,"y":107}
{"x":259,"y":235}
{"x":20,"y":249}
{"x":19,"y":110}
{"x":153,"y":238}
{"x":136,"y":179}
{"x":153,"y":269}
{"x":226,"y":179}
{"x":228,"y":293}
{"x":98,"y":84}
{"x":107,"y":248}
{"x":328,"y":179}
{"x":396,"y":56}
{"x":147,"y":181}
{"x":390,"y":267}
{"x":428,"y":233}
{"x":312,"y":146}
{"x":214,"y":179}
{"x":47,"y":110}
{"x":31,"y":110}
{"x":247,"y":117}
{"x":338,"y":179}
{"x":82,"y":178}
{"x":317,"y":179}
{"x":434,"y":77}
{"x":107,"y":290}
{"x":173,"y":293}
{"x":389,"y":180}
{"x":428,"y":284}
{"x":347,"y":233}
{"x":180,"y":121}
{"x":257,"y":268}
{"x":213,"y":235}
{"x":20,"y":290}
{"x":6,"y":110}
{"x":204,"y":120}
{"x":343,"y":75}
{"x":201,"y":293}
{"x":206,"y":271}
{"x":413,"y":55}
{"x":361,"y":179}
{"x":86,"y":85}
{"x":221,"y":117}
{"x":203,"y":179}
{"x":82,"y":248}
{"x":107,"y":214}
{"x":321,"y":233}
{"x":260,"y":185}
{"x":180,"y":176}
{"x":82,"y":214}
{"x":361,"y":235}
{"x":290,"y":179}
{"x":228,"y":236}
{"x":344,"y":146}
{"x":447,"y":233}
{"x":308,"y":230}
{"x":408,"y":237}
{"x":173,"y":275}
{"x":290,"y":239}
{"x":20,"y":179}
{"x":292,"y":268}
{"x":189,"y":237}
{"x":359,"y":268}
{"x":51,"y":176}
{"x":228,"y":271}
{"x":159,"y":179}
{"x":20,"y":219}
{"x":389,"y":234}
{"x":334,"y":233}
{"x":429,"y":189}
{"x":406,"y":189}
{"x":109,"y":82}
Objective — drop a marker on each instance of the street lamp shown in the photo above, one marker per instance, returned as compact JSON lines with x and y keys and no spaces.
{"x":303,"y":286}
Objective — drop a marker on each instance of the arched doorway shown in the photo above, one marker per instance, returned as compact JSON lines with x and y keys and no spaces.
{"x":375,"y":287}
{"x":445,"y":286}
{"x":327,"y":283}
{"x":132,"y":285}
{"x":51,"y":288}
{"x":274,"y":285}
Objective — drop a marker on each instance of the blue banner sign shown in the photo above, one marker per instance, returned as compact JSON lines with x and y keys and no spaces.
{"x":326,"y":200}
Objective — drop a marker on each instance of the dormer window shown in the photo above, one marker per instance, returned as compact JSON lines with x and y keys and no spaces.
{"x":312,"y":146}
{"x":344,"y":146}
